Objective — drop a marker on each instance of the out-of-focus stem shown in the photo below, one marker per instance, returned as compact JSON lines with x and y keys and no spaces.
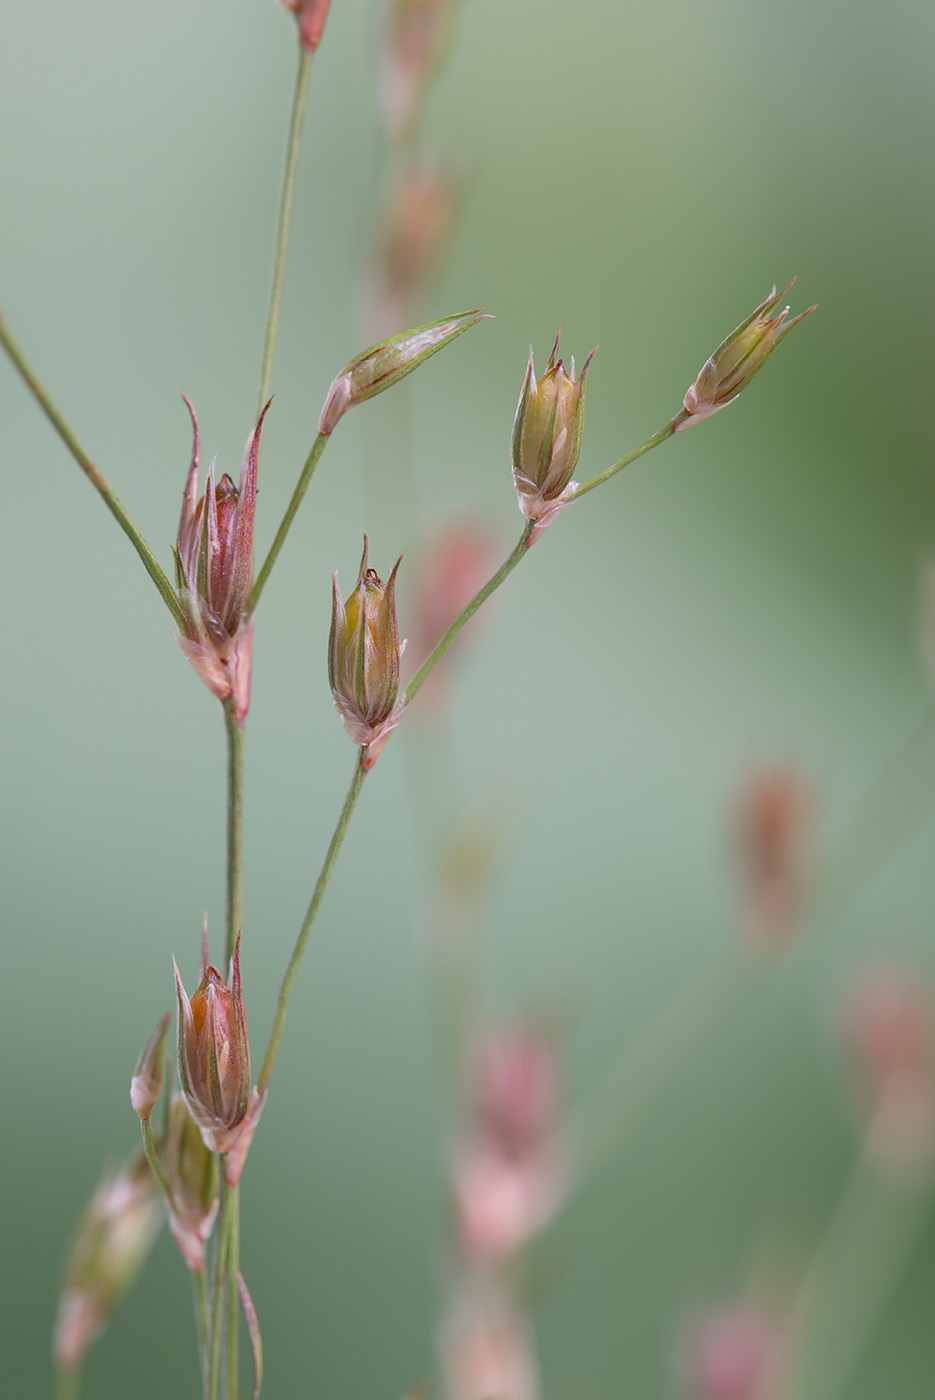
{"x":152,"y":1157}
{"x":662,"y":436}
{"x":233,"y":917}
{"x":311,"y":462}
{"x":200,"y":1287}
{"x":491,"y":586}
{"x":285,"y":990}
{"x":67,"y":1382}
{"x":284,"y":224}
{"x":150,"y":563}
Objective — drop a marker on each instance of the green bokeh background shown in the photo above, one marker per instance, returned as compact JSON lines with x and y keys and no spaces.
{"x":639,"y":175}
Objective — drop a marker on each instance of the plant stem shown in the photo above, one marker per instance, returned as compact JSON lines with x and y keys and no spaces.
{"x":491,"y":586}
{"x":200,"y":1286}
{"x":234,"y":911}
{"x":67,"y":1382}
{"x":311,"y":461}
{"x":150,"y":563}
{"x":220,"y":1282}
{"x":233,"y":1302}
{"x":152,"y":1157}
{"x":284,"y":224}
{"x":647,"y":446}
{"x":285,"y":990}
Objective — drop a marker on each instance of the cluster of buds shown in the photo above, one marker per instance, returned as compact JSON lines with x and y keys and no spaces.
{"x":889,"y":1030}
{"x":363,"y":657}
{"x":214,"y":573}
{"x":738,"y":359}
{"x":773,"y":821}
{"x":310,"y":16}
{"x":734,"y":1353}
{"x":214,"y":1053}
{"x":113,"y":1238}
{"x":382,"y":365}
{"x":547,"y":438}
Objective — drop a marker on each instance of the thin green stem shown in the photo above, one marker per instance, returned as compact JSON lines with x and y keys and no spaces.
{"x":285,"y":990}
{"x":200,"y":1287}
{"x":234,"y":911}
{"x":150,"y":563}
{"x":220,"y":1283}
{"x":233,"y":1301}
{"x":152,"y":1157}
{"x":286,"y":200}
{"x":491,"y":586}
{"x":662,"y":436}
{"x":67,"y":1382}
{"x":311,"y":462}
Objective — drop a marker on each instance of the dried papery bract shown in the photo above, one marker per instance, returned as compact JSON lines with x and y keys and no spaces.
{"x":146,"y":1084}
{"x":773,"y":826}
{"x":384,"y":364}
{"x":547,"y":434}
{"x":889,"y":1032}
{"x":112,"y":1240}
{"x":214,"y":572}
{"x":363,"y":657}
{"x":192,"y":1173}
{"x":214,"y":1054}
{"x":738,"y":359}
{"x":310,"y":16}
{"x":733,"y":1353}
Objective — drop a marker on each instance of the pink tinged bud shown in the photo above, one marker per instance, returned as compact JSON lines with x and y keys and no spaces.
{"x":113,"y":1238}
{"x":415,"y":40}
{"x":214,"y":1054}
{"x":773,"y":827}
{"x":890,"y":1036}
{"x":459,"y":561}
{"x":734,"y":1353}
{"x":192,"y":1173}
{"x":513,"y":1086}
{"x":418,"y":219}
{"x":486,"y":1350}
{"x":502,"y":1201}
{"x":363,"y":655}
{"x":310,"y":17}
{"x":214,"y":572}
{"x":737,"y":359}
{"x":389,"y":361}
{"x":547,"y":434}
{"x":146,"y":1084}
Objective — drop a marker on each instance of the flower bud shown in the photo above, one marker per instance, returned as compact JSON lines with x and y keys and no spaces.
{"x":214,"y":572}
{"x":192,"y":1173}
{"x":389,"y":361}
{"x":547,"y":437}
{"x":486,"y":1348}
{"x":214,"y":1054}
{"x":363,"y":656}
{"x":734,"y":1353}
{"x":773,"y":822}
{"x":146,"y":1084}
{"x":113,"y":1238}
{"x":310,"y":16}
{"x":418,"y":218}
{"x":737,"y":359}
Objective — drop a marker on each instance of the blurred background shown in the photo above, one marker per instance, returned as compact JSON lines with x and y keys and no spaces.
{"x":744,"y":600}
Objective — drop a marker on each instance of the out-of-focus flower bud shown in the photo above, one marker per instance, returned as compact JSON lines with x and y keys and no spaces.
{"x":889,"y":1028}
{"x":310,"y":16}
{"x":113,"y":1238}
{"x":363,"y":657}
{"x":734,"y":1353}
{"x":456,"y":565}
{"x":146,"y":1084}
{"x":513,"y":1086}
{"x":385,"y":363}
{"x":486,"y":1349}
{"x":418,"y":218}
{"x":416,"y":36}
{"x":773,"y":821}
{"x":738,"y":358}
{"x":192,"y":1172}
{"x":547,"y":437}
{"x":214,"y":1054}
{"x":214,"y":573}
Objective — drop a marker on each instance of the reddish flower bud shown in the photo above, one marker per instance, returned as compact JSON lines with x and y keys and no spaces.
{"x":547,"y":437}
{"x":363,"y":656}
{"x":734,"y":1353}
{"x":389,"y":361}
{"x":458,"y":562}
{"x":192,"y":1172}
{"x":214,"y":1054}
{"x":113,"y":1238}
{"x":310,"y":16}
{"x":214,"y":572}
{"x":146,"y":1084}
{"x":737,"y":359}
{"x":772,"y":828}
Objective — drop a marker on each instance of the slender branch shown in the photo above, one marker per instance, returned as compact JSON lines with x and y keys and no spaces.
{"x":284,"y":224}
{"x":219,"y":1284}
{"x":67,"y":1382}
{"x":285,"y":990}
{"x":235,"y":742}
{"x":311,"y":462}
{"x":233,"y":1267}
{"x":491,"y":586}
{"x":662,"y":436}
{"x":152,"y":1157}
{"x":200,"y":1286}
{"x":150,"y":563}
